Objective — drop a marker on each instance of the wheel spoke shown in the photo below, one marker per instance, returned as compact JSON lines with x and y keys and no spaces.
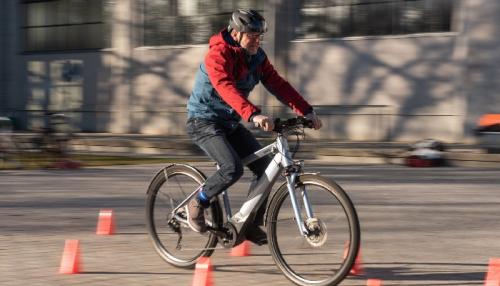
{"x":164,"y":197}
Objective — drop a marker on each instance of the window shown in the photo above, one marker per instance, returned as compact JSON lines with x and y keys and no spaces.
{"x":182,"y":22}
{"x":344,"y":18}
{"x":66,"y":25}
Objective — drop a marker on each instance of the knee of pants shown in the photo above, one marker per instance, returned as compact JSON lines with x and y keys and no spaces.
{"x":230,"y":173}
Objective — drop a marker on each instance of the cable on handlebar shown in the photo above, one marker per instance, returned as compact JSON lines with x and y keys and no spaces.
{"x":293,"y":126}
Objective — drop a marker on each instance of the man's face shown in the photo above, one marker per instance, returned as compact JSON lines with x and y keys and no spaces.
{"x":251,"y":42}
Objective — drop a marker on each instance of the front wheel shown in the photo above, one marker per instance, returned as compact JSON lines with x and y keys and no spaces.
{"x":326,"y":254}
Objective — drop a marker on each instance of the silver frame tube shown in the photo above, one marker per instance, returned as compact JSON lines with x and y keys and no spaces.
{"x":296,"y":208}
{"x":282,"y":159}
{"x":263,"y":185}
{"x":307,"y":205}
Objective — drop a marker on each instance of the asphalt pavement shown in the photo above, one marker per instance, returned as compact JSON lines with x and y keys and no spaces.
{"x":420,"y":226}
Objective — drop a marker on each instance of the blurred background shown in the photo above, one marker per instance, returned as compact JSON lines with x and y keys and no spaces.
{"x":376,"y":70}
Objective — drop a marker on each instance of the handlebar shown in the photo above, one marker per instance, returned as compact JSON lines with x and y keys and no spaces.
{"x":283,"y":125}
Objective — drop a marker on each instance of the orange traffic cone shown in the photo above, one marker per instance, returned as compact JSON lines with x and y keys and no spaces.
{"x":357,"y":268}
{"x":203,"y":272}
{"x":243,"y":249}
{"x":492,"y":283}
{"x":374,"y":282}
{"x":70,"y":262}
{"x":493,"y":275}
{"x":105,"y":223}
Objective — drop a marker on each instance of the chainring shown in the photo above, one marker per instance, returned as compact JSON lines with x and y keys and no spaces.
{"x":230,"y":237}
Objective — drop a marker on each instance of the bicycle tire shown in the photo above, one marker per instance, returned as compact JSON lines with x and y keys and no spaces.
{"x":162,"y":237}
{"x":321,"y":268}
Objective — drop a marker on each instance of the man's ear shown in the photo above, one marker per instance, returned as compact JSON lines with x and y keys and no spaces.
{"x":234,"y":34}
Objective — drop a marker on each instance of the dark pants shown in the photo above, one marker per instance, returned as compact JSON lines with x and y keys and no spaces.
{"x":227,"y":146}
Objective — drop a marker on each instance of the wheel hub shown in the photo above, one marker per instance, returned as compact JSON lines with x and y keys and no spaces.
{"x":316,"y":232}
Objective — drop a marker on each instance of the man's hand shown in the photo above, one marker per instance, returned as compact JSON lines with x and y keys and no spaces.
{"x":264,"y":122}
{"x":315,"y":119}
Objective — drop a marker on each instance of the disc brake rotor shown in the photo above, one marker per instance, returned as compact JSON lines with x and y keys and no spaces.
{"x":317,"y":233}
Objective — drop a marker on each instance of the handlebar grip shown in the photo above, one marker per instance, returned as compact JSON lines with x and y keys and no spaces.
{"x":306,"y":122}
{"x":280,"y":124}
{"x":309,"y":124}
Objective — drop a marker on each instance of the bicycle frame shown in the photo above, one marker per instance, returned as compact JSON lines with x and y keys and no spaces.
{"x":226,"y":230}
{"x":282,"y":160}
{"x":261,"y":189}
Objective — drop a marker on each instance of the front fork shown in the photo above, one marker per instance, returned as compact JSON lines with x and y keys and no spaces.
{"x":291,"y":179}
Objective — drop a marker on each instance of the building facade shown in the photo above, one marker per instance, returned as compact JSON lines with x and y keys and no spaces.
{"x":395,"y":70}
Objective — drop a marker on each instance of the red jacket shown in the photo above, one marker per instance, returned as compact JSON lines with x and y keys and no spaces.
{"x":233,"y":76}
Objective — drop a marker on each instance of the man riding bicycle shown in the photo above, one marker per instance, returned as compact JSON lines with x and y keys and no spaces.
{"x":233,"y":66}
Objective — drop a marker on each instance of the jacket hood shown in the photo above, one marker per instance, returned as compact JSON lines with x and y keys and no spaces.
{"x":223,"y":38}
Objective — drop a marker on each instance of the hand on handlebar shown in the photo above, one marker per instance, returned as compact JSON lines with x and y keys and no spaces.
{"x":266,"y":123}
{"x":315,"y":120}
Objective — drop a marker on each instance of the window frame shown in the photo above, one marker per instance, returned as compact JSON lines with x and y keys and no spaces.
{"x":398,"y":28}
{"x":50,"y":44}
{"x":230,"y":5}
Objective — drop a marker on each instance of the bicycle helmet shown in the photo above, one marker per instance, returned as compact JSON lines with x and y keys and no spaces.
{"x":248,"y":21}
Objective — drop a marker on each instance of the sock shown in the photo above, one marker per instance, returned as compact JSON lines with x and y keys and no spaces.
{"x":204,"y":200}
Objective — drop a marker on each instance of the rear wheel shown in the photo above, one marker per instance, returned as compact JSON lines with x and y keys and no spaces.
{"x":167,"y":190}
{"x":326,"y":254}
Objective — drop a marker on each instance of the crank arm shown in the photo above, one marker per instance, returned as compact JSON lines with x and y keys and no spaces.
{"x":218,"y":232}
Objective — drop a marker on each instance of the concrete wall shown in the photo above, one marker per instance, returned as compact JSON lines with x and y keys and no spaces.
{"x":368,"y":88}
{"x":122,"y":89}
{"x":481,"y":81}
{"x":408,"y":87}
{"x":145,"y":92}
{"x":161,"y":83}
{"x":411,"y":83}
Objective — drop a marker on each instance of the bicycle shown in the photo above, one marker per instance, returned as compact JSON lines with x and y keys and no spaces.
{"x":53,"y":139}
{"x":312,"y":226}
